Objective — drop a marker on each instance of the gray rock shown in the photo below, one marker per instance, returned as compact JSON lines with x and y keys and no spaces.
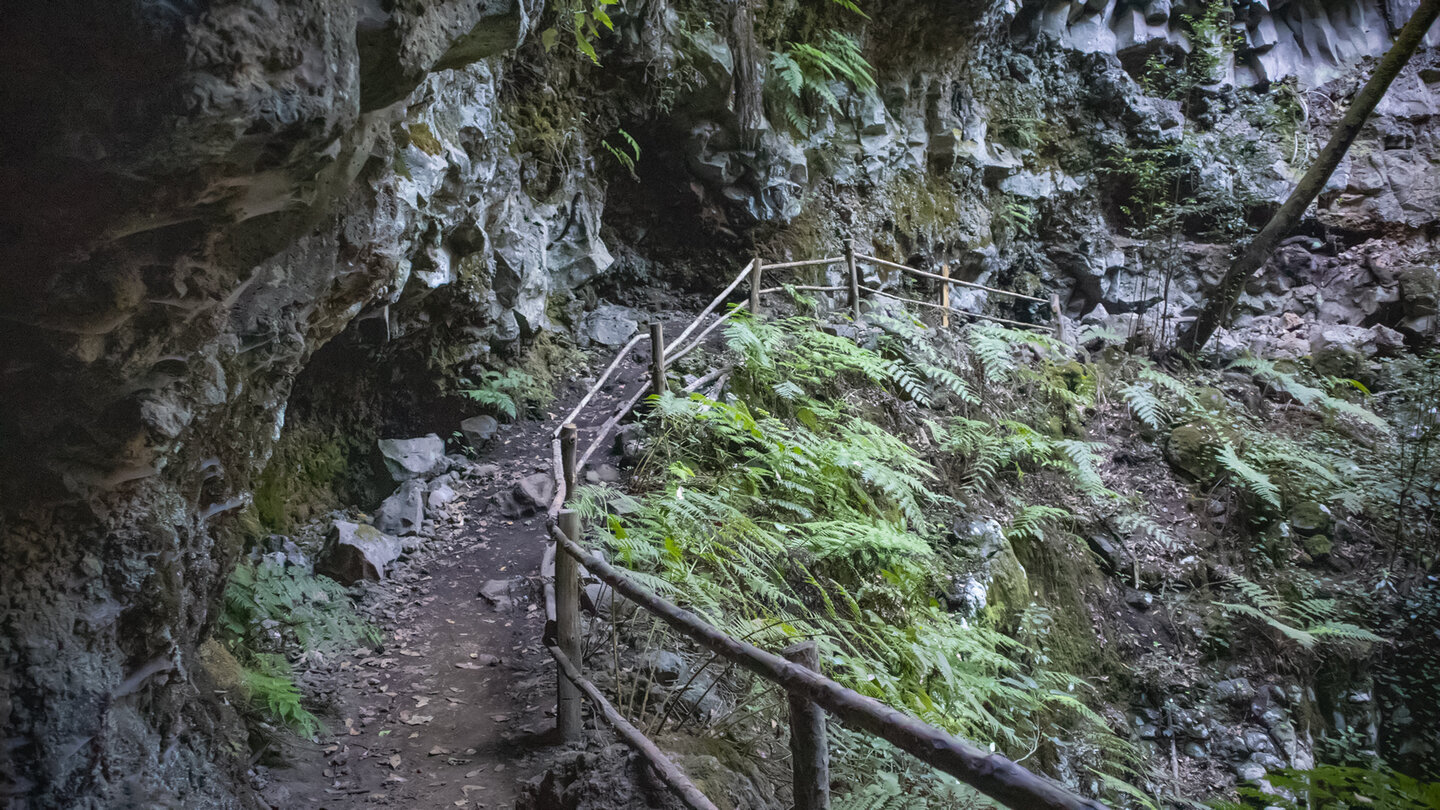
{"x":1268,"y":761}
{"x":630,"y":442}
{"x":355,"y":552}
{"x":1195,"y":750}
{"x":439,"y":496}
{"x":408,"y":459}
{"x":404,"y":511}
{"x":1235,"y":691}
{"x":1258,"y":741}
{"x":1250,"y":771}
{"x":535,"y":490}
{"x":499,"y":593}
{"x":608,"y":325}
{"x":478,"y":430}
{"x":663,"y":666}
{"x":598,"y":598}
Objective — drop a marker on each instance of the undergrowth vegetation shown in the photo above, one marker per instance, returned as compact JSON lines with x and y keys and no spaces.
{"x":838,"y":486}
{"x":273,"y":612}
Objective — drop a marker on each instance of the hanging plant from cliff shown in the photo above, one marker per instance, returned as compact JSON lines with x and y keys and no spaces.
{"x":798,"y":87}
{"x":586,"y":20}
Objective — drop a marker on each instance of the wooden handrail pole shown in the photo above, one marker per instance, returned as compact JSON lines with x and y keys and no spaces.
{"x":567,"y":630}
{"x":1059,"y":321}
{"x":569,"y":434}
{"x":755,"y":286}
{"x":809,"y":751}
{"x":657,"y":358}
{"x":945,"y":295}
{"x":854,"y":279}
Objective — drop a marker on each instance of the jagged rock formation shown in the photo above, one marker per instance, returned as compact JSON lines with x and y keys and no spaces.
{"x":202,"y":195}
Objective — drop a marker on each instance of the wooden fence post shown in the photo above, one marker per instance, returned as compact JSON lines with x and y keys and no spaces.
{"x":945,"y":295}
{"x":1059,"y":321}
{"x":809,"y":752}
{"x":755,"y":287}
{"x":854,"y":279}
{"x":569,"y":433}
{"x":657,"y":358}
{"x":567,"y":629}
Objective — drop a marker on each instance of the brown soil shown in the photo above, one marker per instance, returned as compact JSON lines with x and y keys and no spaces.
{"x":458,"y":705}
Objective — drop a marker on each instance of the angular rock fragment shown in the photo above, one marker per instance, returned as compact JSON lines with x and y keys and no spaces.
{"x":408,"y":459}
{"x":355,"y":551}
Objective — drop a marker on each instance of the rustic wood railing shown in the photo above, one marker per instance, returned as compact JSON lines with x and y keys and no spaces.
{"x":810,"y":693}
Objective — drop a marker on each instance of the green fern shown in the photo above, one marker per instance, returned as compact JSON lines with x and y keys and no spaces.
{"x":1257,"y":482}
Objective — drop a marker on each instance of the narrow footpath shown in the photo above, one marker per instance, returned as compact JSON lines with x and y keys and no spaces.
{"x":459,"y":703}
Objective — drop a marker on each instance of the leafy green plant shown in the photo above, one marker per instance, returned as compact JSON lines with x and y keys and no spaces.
{"x":585,"y":20}
{"x":1306,"y":622}
{"x":1342,"y":788}
{"x":798,"y":85}
{"x":269,"y":609}
{"x":627,"y":155}
{"x":782,"y":512}
{"x":498,"y":391}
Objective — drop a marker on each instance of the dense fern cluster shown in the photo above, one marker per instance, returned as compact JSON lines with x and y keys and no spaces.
{"x":272,"y":609}
{"x":791,"y":509}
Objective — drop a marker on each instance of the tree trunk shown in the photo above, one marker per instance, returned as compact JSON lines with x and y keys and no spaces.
{"x":1224,"y":296}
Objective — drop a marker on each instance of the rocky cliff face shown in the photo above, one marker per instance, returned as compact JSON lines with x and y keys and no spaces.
{"x":201,"y":195}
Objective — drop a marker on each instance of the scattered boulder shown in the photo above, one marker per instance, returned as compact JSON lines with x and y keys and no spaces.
{"x":604,"y":474}
{"x":1342,"y":350}
{"x":535,"y":490}
{"x":408,"y":459}
{"x":630,"y":442}
{"x":404,"y":511}
{"x":1235,"y":691}
{"x":1191,"y":450}
{"x":355,"y":551}
{"x":1318,"y":546}
{"x":1250,"y":771}
{"x":1310,"y":518}
{"x":498,"y":593}
{"x":663,"y":666}
{"x":478,"y":430}
{"x":608,"y":325}
{"x":440,"y":495}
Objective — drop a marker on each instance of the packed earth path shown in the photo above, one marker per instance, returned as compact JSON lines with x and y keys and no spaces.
{"x":457,"y":704}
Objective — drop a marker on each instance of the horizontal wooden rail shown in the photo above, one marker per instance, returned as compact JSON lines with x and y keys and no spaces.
{"x":805,"y":287}
{"x":934,"y":305}
{"x":991,"y":774}
{"x":595,"y":389}
{"x":804,"y":263}
{"x":718,"y":300}
{"x":669,"y":773}
{"x":921,"y":273}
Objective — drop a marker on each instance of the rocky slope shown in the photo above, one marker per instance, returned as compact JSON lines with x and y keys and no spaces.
{"x":203,"y":195}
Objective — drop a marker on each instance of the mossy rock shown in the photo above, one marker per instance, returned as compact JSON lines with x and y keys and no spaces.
{"x":1191,"y":449}
{"x":423,"y":139}
{"x":221,"y":667}
{"x":1318,"y":546}
{"x":1310,"y":518}
{"x":1008,"y":592}
{"x":1212,"y":399}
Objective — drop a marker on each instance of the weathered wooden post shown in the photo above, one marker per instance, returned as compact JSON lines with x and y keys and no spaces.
{"x":854,"y":279}
{"x":755,"y":267}
{"x":1059,"y":321}
{"x":567,"y":628}
{"x":809,"y":752}
{"x":945,"y":295}
{"x":569,"y":435}
{"x":657,"y":358}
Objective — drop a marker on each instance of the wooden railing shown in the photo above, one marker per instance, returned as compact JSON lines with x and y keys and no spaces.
{"x":810,"y":693}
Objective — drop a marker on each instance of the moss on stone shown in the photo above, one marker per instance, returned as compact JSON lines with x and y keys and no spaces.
{"x":1191,"y":450}
{"x":1318,"y":545}
{"x":423,"y":139}
{"x":301,"y":478}
{"x":1009,"y":589}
